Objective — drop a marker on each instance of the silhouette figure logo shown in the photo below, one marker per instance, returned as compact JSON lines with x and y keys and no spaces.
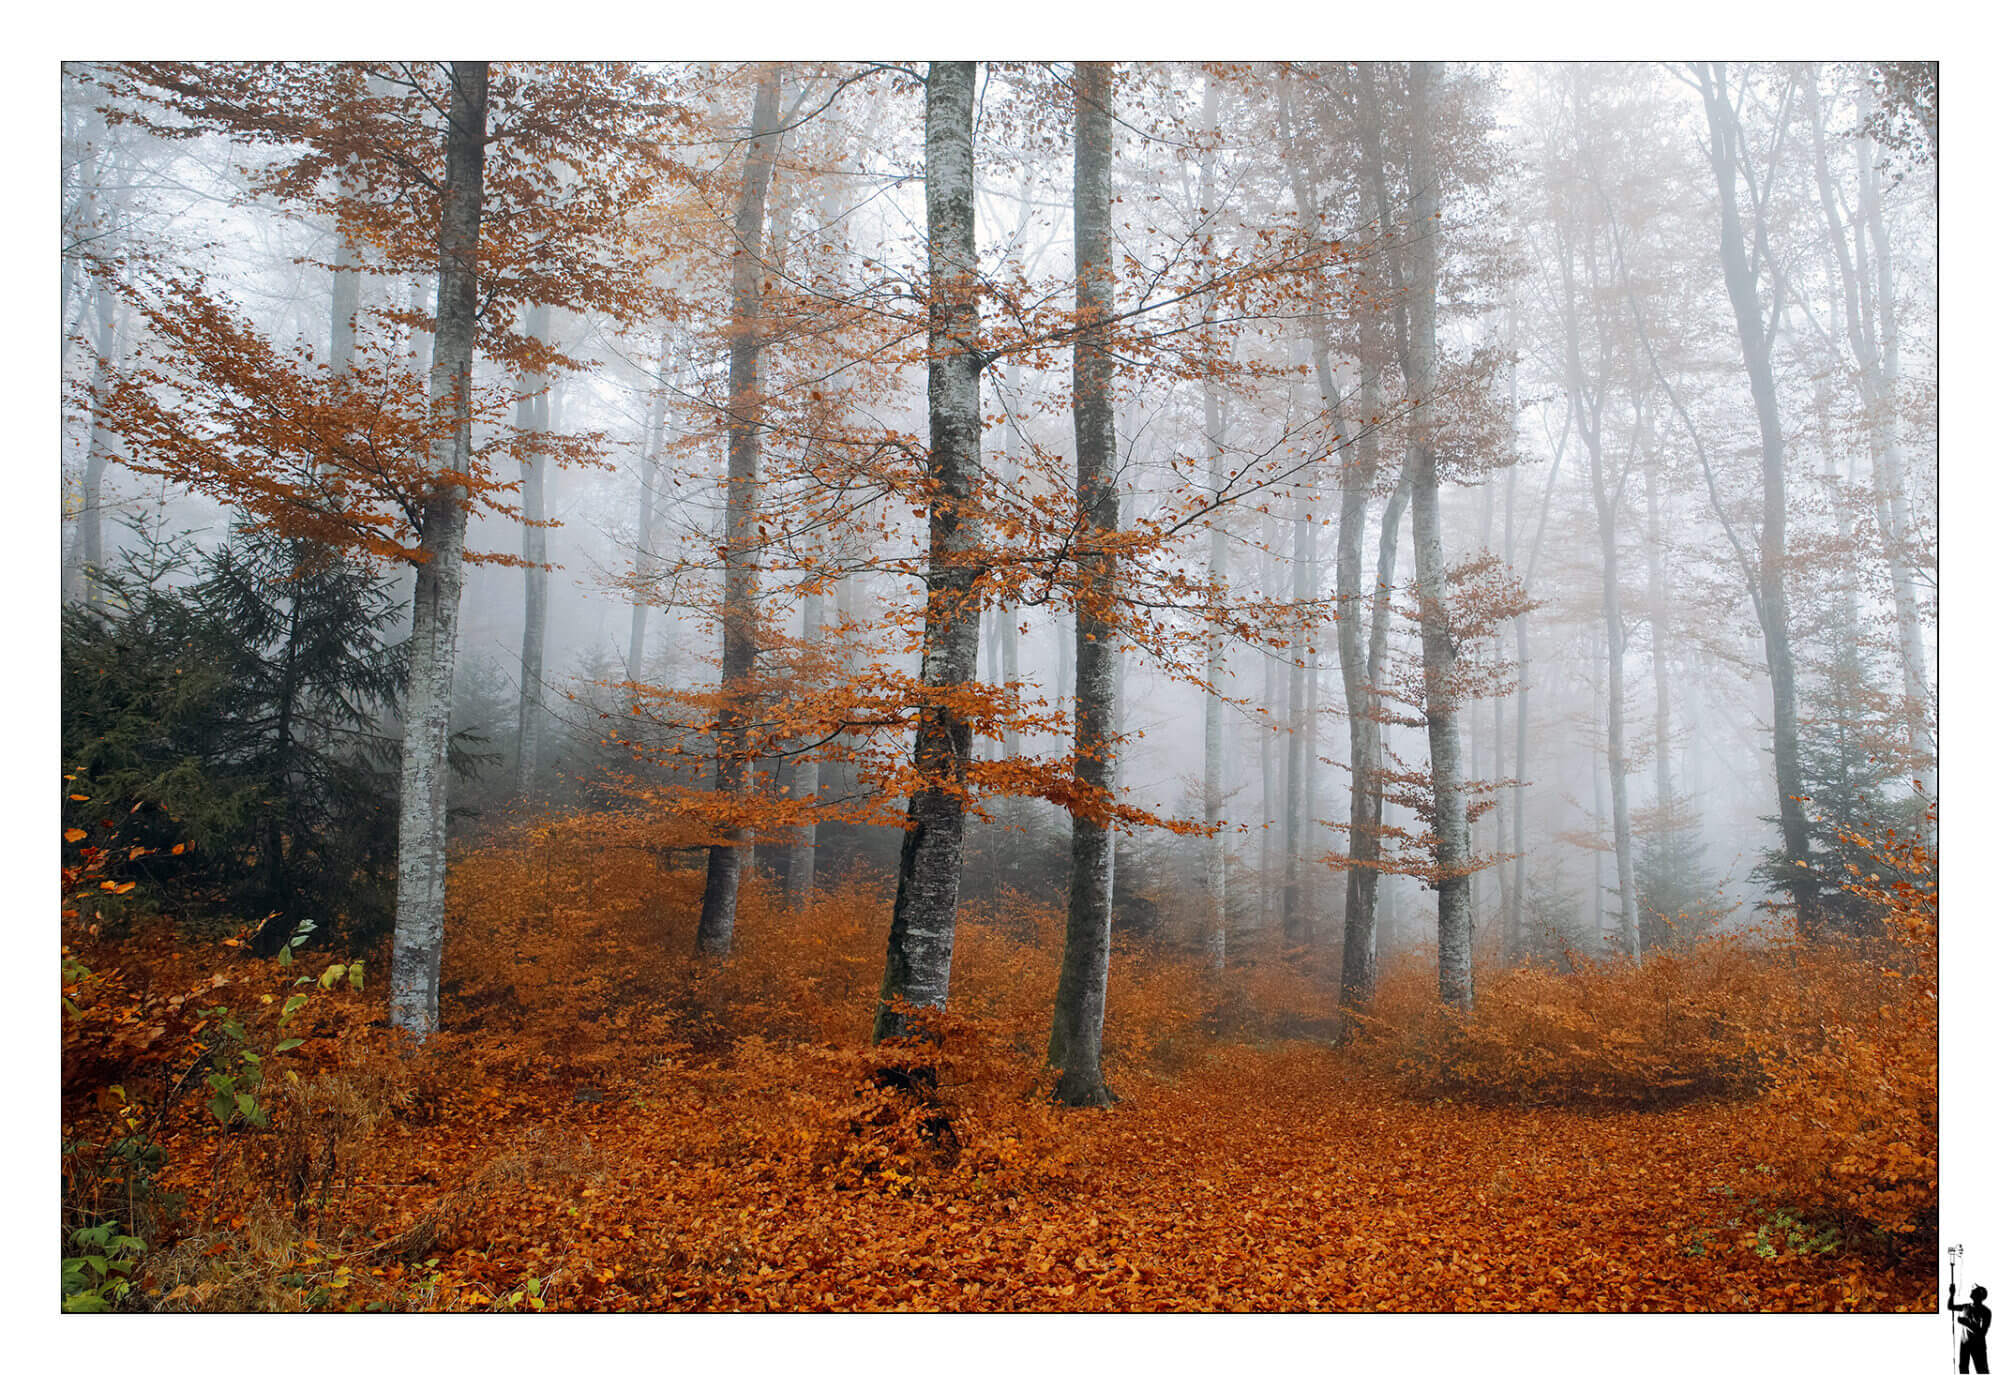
{"x":1970,"y":1320}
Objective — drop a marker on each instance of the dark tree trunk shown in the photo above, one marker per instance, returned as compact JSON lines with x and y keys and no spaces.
{"x":1076,"y":1036}
{"x":717,"y":931}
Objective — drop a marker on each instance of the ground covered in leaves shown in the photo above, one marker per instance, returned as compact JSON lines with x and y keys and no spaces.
{"x":609,"y":1124}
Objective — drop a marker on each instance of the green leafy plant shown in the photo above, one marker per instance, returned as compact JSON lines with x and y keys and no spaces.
{"x":98,"y":1273}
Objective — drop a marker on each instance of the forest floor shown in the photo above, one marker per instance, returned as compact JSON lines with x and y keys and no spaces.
{"x":658,"y":1134}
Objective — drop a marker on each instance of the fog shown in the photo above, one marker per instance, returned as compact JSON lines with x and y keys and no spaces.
{"x":1595,"y":406}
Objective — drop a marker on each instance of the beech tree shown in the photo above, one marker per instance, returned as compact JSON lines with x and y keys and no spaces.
{"x":1075,"y":1039}
{"x":352,"y":456}
{"x":739,"y":627}
{"x":917,"y":973}
{"x":420,"y":852}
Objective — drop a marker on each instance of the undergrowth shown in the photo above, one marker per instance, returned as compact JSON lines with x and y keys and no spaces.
{"x":610,"y":1121}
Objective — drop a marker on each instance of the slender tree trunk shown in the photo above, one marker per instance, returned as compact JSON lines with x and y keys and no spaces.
{"x":531,"y":418}
{"x":1358,"y":959}
{"x":346,"y":288}
{"x":1008,"y":612}
{"x":1440,"y":651}
{"x":1361,"y":938}
{"x":643,"y":563}
{"x":1357,"y":478}
{"x":99,"y":205}
{"x":274,"y":870}
{"x":1302,"y":915}
{"x":1725,"y":136}
{"x":1598,"y":660}
{"x":90,"y":516}
{"x":1010,"y":661}
{"x":1614,"y":718}
{"x":1310,"y":850}
{"x":1215,"y":848}
{"x":717,"y":930}
{"x":1268,"y":763}
{"x":917,"y":972}
{"x":1077,"y":1033}
{"x":1522,"y":663}
{"x":1502,"y":792}
{"x":1215,"y":422}
{"x":420,"y":858}
{"x":1658,"y":611}
{"x":1297,"y":922}
{"x":799,"y":876}
{"x":1510,"y":896}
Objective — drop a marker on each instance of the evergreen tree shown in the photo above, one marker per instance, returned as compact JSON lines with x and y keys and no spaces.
{"x":233,"y":704}
{"x":1676,"y":895}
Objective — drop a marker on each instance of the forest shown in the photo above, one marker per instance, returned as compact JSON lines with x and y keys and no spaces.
{"x":999,"y":687}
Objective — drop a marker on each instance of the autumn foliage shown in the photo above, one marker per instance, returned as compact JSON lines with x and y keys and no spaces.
{"x":610,"y":1122}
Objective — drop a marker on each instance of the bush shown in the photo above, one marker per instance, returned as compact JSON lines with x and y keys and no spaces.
{"x":1678,"y":1028}
{"x":1853,"y":1100}
{"x":1837,"y":1036}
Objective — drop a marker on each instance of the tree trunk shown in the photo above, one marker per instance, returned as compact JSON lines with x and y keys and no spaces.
{"x":1739,"y":276}
{"x":531,"y":418}
{"x":1510,"y":888}
{"x":1502,"y":793}
{"x":642,"y":567}
{"x":420,"y":858}
{"x":1598,"y":659}
{"x":90,"y":516}
{"x":799,"y":877}
{"x":1614,"y":717}
{"x":1215,"y":423}
{"x":1269,"y":853}
{"x":1215,"y":848}
{"x":717,"y":930}
{"x":1360,"y":938}
{"x":346,"y":304}
{"x":1077,"y":1033}
{"x":1297,"y":922}
{"x":1658,"y":612}
{"x":1440,"y":651}
{"x":917,"y":971}
{"x":1516,"y":921}
{"x":1364,"y":842}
